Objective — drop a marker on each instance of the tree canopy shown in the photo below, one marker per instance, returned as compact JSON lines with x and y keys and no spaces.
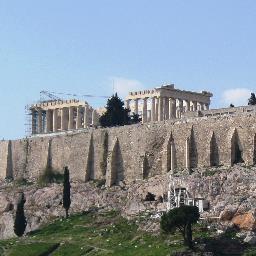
{"x":252,"y":99}
{"x":116,"y":114}
{"x":180,"y":218}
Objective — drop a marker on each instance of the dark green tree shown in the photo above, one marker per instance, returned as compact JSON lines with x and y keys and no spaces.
{"x":66,"y":191}
{"x":252,"y":99}
{"x":134,"y":118}
{"x":231,"y":105}
{"x":181,"y":218}
{"x":20,"y":221}
{"x":116,"y":114}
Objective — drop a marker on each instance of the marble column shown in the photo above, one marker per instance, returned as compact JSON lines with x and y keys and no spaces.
{"x":64,"y":119}
{"x":206,"y":106}
{"x":39,"y":121}
{"x":153,"y":104}
{"x":194,"y":105}
{"x":180,"y":107}
{"x":127,"y":104}
{"x":166,"y":108}
{"x":79,"y":118}
{"x":55,"y":120}
{"x":172,"y":108}
{"x":201,"y":105}
{"x":94,"y":118}
{"x":136,"y":106}
{"x":156,"y":108}
{"x":71,"y":118}
{"x":160,"y":109}
{"x":48,"y":121}
{"x":187,"y":105}
{"x":86,"y":116}
{"x":145,"y":110}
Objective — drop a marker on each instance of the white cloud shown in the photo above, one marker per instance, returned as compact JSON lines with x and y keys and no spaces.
{"x":123,"y":86}
{"x":236,"y":96}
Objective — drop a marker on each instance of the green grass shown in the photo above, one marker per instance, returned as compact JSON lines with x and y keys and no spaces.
{"x":107,"y":233}
{"x":91,"y":234}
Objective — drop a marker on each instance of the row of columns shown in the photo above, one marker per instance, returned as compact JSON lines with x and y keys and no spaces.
{"x":45,"y":121}
{"x":163,"y":108}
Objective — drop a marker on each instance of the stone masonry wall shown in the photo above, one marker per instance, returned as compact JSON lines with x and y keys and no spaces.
{"x":133,"y":152}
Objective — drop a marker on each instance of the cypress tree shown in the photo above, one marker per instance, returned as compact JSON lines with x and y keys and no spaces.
{"x":66,"y":191}
{"x":20,"y":222}
{"x":252,"y":99}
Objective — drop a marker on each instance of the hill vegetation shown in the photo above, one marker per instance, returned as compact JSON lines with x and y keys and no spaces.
{"x":107,"y":233}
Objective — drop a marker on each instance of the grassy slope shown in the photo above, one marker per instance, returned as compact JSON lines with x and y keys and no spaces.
{"x":106,"y":234}
{"x":89,"y":234}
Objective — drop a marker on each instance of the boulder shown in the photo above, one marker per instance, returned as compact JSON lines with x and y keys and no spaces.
{"x":6,"y":225}
{"x":245,"y":221}
{"x":5,"y":205}
{"x":228,"y":213}
{"x":250,"y":239}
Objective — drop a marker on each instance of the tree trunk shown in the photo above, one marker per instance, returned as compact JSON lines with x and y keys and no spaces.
{"x":188,"y":235}
{"x":66,"y":213}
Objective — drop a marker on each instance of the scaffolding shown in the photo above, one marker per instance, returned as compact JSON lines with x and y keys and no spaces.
{"x":178,"y":195}
{"x":28,"y":121}
{"x":46,"y":96}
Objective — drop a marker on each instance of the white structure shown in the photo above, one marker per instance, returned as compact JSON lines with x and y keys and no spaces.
{"x":166,"y":102}
{"x":178,"y":196}
{"x":62,"y":115}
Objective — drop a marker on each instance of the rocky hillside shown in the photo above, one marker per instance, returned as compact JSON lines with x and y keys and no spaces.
{"x":230,"y":191}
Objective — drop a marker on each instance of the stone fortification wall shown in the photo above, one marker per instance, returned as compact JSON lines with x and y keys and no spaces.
{"x":135,"y":152}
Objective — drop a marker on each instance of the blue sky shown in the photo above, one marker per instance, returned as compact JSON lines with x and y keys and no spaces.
{"x":83,"y":46}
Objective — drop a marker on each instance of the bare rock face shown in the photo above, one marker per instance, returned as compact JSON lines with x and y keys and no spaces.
{"x":250,"y":239}
{"x":245,"y":221}
{"x":230,"y":192}
{"x":228,"y":213}
{"x":5,"y":205}
{"x":6,"y":225}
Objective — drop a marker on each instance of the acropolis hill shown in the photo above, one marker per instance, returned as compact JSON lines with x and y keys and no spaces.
{"x":171,"y":137}
{"x":183,"y":152}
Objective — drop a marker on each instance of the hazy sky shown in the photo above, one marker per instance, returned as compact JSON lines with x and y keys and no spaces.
{"x":83,"y":46}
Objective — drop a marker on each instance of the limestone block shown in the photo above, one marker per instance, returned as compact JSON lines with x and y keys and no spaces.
{"x":246,"y":221}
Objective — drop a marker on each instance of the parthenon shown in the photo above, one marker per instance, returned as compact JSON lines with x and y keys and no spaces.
{"x":166,"y":102}
{"x":62,"y":115}
{"x":158,"y":104}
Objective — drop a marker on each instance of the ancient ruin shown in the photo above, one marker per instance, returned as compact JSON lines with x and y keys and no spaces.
{"x":169,"y":139}
{"x":166,"y":102}
{"x":182,"y":153}
{"x":61,"y":115}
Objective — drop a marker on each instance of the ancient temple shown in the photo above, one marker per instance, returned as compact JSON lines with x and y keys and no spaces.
{"x":62,"y":115}
{"x":166,"y":102}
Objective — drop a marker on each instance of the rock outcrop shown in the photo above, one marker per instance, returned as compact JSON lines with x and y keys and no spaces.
{"x":230,"y":191}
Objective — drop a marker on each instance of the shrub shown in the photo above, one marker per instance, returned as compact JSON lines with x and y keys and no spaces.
{"x":181,"y":218}
{"x":49,"y":176}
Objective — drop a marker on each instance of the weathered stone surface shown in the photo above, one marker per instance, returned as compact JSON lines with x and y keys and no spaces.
{"x":245,"y":221}
{"x":6,"y":225}
{"x":143,"y":150}
{"x":232,"y":200}
{"x":5,"y":205}
{"x":250,"y":238}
